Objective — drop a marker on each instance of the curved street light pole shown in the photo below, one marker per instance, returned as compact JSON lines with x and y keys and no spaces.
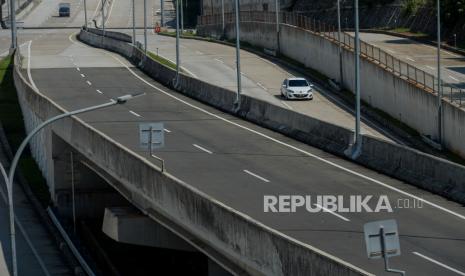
{"x":238,"y":57}
{"x":9,"y":179}
{"x":85,"y":14}
{"x":440,"y":117}
{"x":13,"y":24}
{"x":358,"y":136}
{"x":341,"y":73}
{"x":178,"y":58}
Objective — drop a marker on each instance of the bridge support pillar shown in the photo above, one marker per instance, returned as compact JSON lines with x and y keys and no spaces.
{"x":128,"y":225}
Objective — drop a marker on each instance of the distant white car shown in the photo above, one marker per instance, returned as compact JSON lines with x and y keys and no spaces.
{"x":297,"y":89}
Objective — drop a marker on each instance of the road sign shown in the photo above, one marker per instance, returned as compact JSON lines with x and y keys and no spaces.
{"x":382,"y":237}
{"x":382,"y":241}
{"x":151,"y":136}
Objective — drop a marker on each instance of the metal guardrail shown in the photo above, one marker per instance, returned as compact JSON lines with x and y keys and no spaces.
{"x":400,"y":68}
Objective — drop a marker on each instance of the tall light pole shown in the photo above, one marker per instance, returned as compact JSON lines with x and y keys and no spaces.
{"x":9,"y":179}
{"x":358,"y":137}
{"x":439,"y":73}
{"x":177,"y":43}
{"x":238,"y":58}
{"x":134,"y":39}
{"x":223,"y":26}
{"x":13,"y":24}
{"x":278,"y":8}
{"x":145,"y":27}
{"x":182,"y":17}
{"x":162,"y":10}
{"x":103,"y":16}
{"x":341,"y":73}
{"x":85,"y":14}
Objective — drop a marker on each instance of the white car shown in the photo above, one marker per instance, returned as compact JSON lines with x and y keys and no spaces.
{"x":297,"y":88}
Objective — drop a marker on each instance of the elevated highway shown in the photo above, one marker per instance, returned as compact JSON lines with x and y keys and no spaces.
{"x":241,"y":162}
{"x":229,"y":161}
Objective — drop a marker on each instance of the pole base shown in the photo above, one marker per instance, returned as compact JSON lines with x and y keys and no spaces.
{"x":353,"y":151}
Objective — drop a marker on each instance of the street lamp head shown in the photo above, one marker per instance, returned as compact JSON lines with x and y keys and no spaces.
{"x":125,"y":98}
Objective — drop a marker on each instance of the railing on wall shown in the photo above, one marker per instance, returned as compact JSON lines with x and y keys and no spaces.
{"x":400,"y":68}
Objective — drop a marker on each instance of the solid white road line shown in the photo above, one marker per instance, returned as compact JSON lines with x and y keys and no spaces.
{"x":182,"y":67}
{"x":286,"y":105}
{"x":261,"y":85}
{"x":82,"y":75}
{"x":77,"y":68}
{"x":390,"y":51}
{"x":202,"y":149}
{"x":257,"y":176}
{"x":409,"y":58}
{"x":439,"y":263}
{"x":167,"y":130}
{"x":350,"y":171}
{"x":454,"y":78}
{"x":29,"y":57}
{"x":6,"y":52}
{"x":89,"y":83}
{"x":442,"y":50}
{"x":98,"y":91}
{"x":219,"y":60}
{"x":96,"y":9}
{"x":332,"y":212}
{"x":134,"y":113}
{"x":430,"y":67}
{"x":109,"y":13}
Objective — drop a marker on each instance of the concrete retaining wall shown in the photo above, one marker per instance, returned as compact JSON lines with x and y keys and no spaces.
{"x":254,"y":247}
{"x":380,"y":88}
{"x":422,"y":170}
{"x":214,"y":6}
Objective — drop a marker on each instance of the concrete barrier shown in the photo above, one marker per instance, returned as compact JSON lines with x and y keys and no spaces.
{"x":422,"y":170}
{"x":255,"y":248}
{"x":380,"y":88}
{"x":111,"y":34}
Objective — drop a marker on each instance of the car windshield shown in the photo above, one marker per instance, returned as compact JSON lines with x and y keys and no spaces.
{"x":298,"y":83}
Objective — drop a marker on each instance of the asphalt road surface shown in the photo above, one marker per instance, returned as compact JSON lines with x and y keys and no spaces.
{"x":215,"y":63}
{"x":241,"y":163}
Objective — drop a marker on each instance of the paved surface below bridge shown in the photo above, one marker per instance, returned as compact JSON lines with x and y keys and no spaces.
{"x":37,"y":252}
{"x":238,"y":163}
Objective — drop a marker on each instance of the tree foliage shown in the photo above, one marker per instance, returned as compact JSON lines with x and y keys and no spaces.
{"x":452,"y":11}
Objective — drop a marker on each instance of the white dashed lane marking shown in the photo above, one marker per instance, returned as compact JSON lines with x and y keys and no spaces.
{"x":256,"y":176}
{"x":134,"y":113}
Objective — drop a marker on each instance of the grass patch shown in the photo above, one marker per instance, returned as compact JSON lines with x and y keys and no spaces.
{"x":12,"y":121}
{"x":161,"y":60}
{"x":407,"y":31}
{"x":400,"y":30}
